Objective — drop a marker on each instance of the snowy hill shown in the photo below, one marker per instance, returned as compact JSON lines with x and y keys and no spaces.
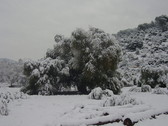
{"x":144,"y":48}
{"x":11,"y":72}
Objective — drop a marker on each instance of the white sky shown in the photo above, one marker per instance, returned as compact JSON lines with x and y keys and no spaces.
{"x":27,"y":27}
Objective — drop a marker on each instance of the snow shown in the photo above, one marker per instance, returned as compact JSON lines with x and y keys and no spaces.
{"x":78,"y":110}
{"x":65,"y":71}
{"x":159,"y":121}
{"x":160,"y":91}
{"x":96,"y":93}
{"x":108,"y":92}
{"x":36,"y":72}
{"x":90,"y":67}
{"x":39,"y":110}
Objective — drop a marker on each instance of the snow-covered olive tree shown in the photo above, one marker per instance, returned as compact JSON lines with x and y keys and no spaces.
{"x":87,"y":59}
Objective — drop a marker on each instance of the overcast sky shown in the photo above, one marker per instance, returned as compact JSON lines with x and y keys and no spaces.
{"x":27,"y":27}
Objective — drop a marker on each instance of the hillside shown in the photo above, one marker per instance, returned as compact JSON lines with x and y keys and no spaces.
{"x":145,"y":50}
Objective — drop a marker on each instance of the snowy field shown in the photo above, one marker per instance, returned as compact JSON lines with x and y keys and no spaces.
{"x":77,"y":110}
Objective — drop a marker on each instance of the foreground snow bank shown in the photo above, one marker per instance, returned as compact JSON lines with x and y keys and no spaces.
{"x":79,"y":110}
{"x":90,"y":115}
{"x":126,"y":107}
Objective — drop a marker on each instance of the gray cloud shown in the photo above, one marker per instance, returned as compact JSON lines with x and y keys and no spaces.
{"x":27,"y":27}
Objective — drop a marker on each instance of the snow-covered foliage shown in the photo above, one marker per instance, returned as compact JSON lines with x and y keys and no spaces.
{"x":96,"y":55}
{"x":143,"y":88}
{"x":119,"y":100}
{"x":6,"y":97}
{"x":144,"y":46}
{"x":87,"y":59}
{"x":154,"y":75}
{"x":45,"y":76}
{"x":98,"y":93}
{"x":11,"y":72}
{"x":146,"y":88}
{"x":159,"y":90}
{"x":108,"y":93}
{"x":3,"y":107}
{"x":61,"y":50}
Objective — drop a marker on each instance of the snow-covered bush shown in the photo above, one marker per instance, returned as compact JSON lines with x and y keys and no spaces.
{"x":143,"y":88}
{"x":46,"y":76}
{"x":119,"y":100}
{"x":152,"y":75}
{"x":146,"y":88}
{"x":145,"y":26}
{"x":3,"y":107}
{"x":10,"y":96}
{"x":159,"y":90}
{"x":135,"y":44}
{"x":6,"y":97}
{"x":135,"y":89}
{"x":108,"y":93}
{"x":98,"y":93}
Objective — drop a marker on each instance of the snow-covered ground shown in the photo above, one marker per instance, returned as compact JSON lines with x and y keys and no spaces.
{"x":79,"y":110}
